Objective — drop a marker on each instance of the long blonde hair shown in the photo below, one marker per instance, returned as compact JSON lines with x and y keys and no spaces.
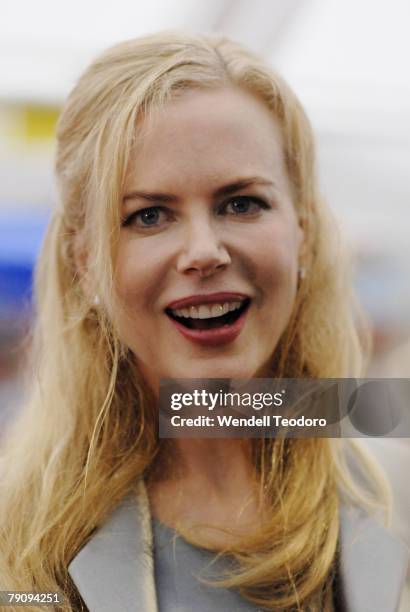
{"x":88,"y":425}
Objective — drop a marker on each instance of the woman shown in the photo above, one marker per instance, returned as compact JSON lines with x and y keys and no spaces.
{"x":187,"y":189}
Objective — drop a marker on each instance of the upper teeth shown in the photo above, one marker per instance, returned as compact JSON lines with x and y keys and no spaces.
{"x":206,"y":311}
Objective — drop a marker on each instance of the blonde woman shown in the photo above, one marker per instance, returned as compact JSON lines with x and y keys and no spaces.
{"x":187,"y":184}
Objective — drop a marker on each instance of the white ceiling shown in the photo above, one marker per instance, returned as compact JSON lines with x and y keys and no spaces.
{"x":319,"y":45}
{"x":45,"y":44}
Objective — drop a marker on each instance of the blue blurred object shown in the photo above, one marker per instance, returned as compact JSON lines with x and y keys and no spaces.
{"x":15,"y":286}
{"x":21,"y":236}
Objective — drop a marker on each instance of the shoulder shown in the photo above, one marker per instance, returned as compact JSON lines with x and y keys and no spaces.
{"x":372,"y":563}
{"x":115,"y":567}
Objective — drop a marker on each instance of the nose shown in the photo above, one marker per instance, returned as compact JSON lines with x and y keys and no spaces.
{"x":203,"y":252}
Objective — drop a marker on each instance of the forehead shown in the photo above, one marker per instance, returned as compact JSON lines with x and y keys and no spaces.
{"x":206,"y":136}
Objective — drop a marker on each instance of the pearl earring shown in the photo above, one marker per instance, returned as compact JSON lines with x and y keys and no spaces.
{"x":302,"y":272}
{"x":96,"y":300}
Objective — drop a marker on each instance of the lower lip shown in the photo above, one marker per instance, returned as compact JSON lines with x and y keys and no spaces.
{"x":213,"y":337}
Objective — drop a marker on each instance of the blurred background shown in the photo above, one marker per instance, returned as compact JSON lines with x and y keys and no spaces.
{"x":348,"y":63}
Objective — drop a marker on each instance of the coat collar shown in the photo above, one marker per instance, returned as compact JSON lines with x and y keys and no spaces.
{"x":372,"y":564}
{"x":114,"y":570}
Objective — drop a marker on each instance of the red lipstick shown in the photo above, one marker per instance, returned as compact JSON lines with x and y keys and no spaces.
{"x":215,"y":336}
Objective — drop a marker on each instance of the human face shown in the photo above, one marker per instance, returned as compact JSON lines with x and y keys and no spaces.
{"x":207,"y":211}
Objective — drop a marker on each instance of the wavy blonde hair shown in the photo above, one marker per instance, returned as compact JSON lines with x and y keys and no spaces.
{"x":88,"y":425}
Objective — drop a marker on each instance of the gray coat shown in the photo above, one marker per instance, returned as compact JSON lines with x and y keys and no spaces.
{"x":114,"y":570}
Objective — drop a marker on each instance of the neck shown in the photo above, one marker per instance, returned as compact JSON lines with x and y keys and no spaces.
{"x":210,"y":481}
{"x":217,"y":464}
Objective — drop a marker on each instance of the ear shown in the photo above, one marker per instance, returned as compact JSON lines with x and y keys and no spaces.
{"x":301,"y":240}
{"x":304,"y":246}
{"x":301,"y":236}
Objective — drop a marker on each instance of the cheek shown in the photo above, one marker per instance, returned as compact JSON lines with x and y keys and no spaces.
{"x":277,"y":254}
{"x":134,"y":289}
{"x":137,"y":271}
{"x":129,"y":279}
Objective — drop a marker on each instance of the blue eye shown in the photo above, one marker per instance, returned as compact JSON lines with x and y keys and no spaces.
{"x":146,"y":217}
{"x":242,"y":205}
{"x":156,"y":217}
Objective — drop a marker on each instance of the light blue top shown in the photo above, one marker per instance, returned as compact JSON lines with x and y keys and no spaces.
{"x":177,"y":565}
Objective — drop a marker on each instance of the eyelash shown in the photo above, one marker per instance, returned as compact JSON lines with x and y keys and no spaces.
{"x":262,"y":205}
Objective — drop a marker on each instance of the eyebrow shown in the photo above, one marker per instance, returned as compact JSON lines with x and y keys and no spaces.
{"x":225,"y":190}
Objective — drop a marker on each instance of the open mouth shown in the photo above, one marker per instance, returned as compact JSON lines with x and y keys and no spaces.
{"x":208,"y":317}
